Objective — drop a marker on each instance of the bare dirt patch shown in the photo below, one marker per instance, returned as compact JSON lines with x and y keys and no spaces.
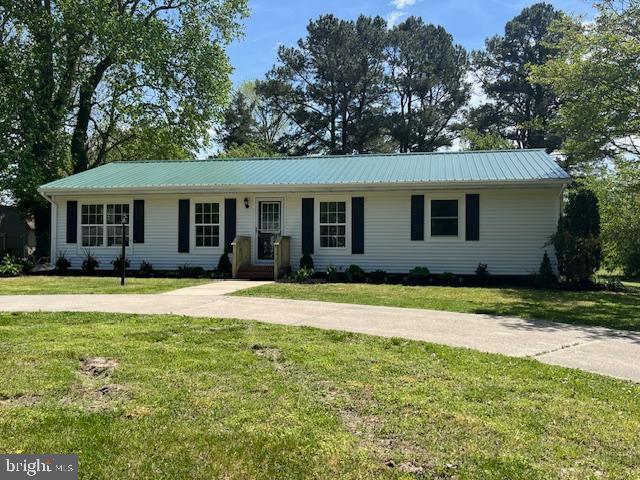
{"x":98,"y":366}
{"x":18,"y":400}
{"x":396,"y":453}
{"x":270,"y":353}
{"x":94,"y":389}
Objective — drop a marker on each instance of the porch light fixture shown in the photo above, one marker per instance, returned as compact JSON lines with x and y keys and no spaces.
{"x":246,"y":202}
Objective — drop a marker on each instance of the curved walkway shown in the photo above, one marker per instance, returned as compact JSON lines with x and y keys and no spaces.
{"x":608,"y":352}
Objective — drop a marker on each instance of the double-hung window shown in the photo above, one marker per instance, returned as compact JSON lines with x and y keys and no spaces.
{"x":116,"y":213}
{"x":94,"y":224}
{"x":207,"y":224}
{"x":333,"y":224}
{"x":444,"y":218}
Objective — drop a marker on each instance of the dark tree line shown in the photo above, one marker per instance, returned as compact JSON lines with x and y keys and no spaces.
{"x":359,"y":86}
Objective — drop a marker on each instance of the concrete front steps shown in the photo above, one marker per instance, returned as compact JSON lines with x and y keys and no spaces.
{"x":255,"y":272}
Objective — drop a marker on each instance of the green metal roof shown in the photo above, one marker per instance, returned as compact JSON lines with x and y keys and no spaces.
{"x":506,"y":166}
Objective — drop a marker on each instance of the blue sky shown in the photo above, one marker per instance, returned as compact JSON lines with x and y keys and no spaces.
{"x":275,"y":22}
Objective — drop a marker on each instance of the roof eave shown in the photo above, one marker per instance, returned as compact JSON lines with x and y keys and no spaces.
{"x":307,"y":187}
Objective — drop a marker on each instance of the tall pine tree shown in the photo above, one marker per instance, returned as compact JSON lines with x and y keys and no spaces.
{"x":518,"y":109}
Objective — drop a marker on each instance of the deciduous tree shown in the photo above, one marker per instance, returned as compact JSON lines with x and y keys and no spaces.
{"x":79,"y":73}
{"x":597,"y":78}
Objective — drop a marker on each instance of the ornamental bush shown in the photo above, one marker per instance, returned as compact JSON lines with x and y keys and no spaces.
{"x":62,"y":263}
{"x":90,"y":263}
{"x":224,"y":264}
{"x":577,"y":240}
{"x":306,"y":261}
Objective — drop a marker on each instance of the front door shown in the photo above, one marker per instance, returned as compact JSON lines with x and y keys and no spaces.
{"x":269,"y":227}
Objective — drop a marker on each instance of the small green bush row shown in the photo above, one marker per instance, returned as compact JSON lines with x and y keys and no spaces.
{"x":90,"y":264}
{"x":545,"y":277}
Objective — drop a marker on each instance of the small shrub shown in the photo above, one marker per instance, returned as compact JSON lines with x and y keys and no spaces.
{"x":546,"y":277}
{"x":27,"y":263}
{"x":482,"y":270}
{"x":450,"y":278}
{"x":613,"y":285}
{"x":90,"y":263}
{"x":10,"y":267}
{"x":355,"y":274}
{"x":378,"y":276}
{"x":146,"y":269}
{"x":418,"y":275}
{"x":190,"y":271}
{"x":117,"y":263}
{"x":303,"y":275}
{"x":224,"y":264}
{"x":306,"y":261}
{"x":631,"y":263}
{"x":62,"y":263}
{"x":333,"y":273}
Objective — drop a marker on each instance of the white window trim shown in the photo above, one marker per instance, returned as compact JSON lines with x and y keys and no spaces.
{"x":460,"y":197}
{"x":105,"y":225}
{"x":346,"y":250}
{"x":192,"y":220}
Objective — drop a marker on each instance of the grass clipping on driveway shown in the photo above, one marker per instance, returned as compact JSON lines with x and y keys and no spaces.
{"x":620,"y":310}
{"x":52,"y":285}
{"x":171,"y":397}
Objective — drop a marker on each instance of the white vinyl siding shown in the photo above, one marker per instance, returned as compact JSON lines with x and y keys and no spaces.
{"x":515,"y":226}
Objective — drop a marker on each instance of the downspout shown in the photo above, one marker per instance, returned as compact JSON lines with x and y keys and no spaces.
{"x":54,"y":221}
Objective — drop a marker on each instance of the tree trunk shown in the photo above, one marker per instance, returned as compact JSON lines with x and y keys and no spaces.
{"x":79,"y":153}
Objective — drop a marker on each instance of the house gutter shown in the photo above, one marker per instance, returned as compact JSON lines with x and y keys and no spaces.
{"x":294,"y":188}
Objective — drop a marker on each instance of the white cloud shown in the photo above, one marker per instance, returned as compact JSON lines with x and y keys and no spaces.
{"x":400,"y":4}
{"x":393,"y":18}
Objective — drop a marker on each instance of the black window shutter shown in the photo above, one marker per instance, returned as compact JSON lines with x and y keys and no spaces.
{"x":138,"y":221}
{"x":183,"y":226}
{"x":357,"y":225}
{"x":72,"y":222}
{"x":307,"y":225}
{"x":472,"y":217}
{"x":417,"y":217}
{"x":229,"y":221}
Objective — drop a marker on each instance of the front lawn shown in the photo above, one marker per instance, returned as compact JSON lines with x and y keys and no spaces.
{"x":607,"y":309}
{"x":40,"y":284}
{"x":170,"y":397}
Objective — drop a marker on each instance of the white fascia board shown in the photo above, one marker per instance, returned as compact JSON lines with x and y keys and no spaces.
{"x":338,"y":187}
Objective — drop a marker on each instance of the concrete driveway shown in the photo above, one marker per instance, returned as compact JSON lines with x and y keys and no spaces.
{"x":608,"y":352}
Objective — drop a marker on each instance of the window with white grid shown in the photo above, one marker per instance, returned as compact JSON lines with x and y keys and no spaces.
{"x":92,"y":225}
{"x":333,"y":224}
{"x":207,"y":224}
{"x":115,"y":214}
{"x":270,"y":217}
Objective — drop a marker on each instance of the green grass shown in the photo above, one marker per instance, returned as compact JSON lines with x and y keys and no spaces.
{"x":207,"y":398}
{"x":607,"y":309}
{"x":36,"y":285}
